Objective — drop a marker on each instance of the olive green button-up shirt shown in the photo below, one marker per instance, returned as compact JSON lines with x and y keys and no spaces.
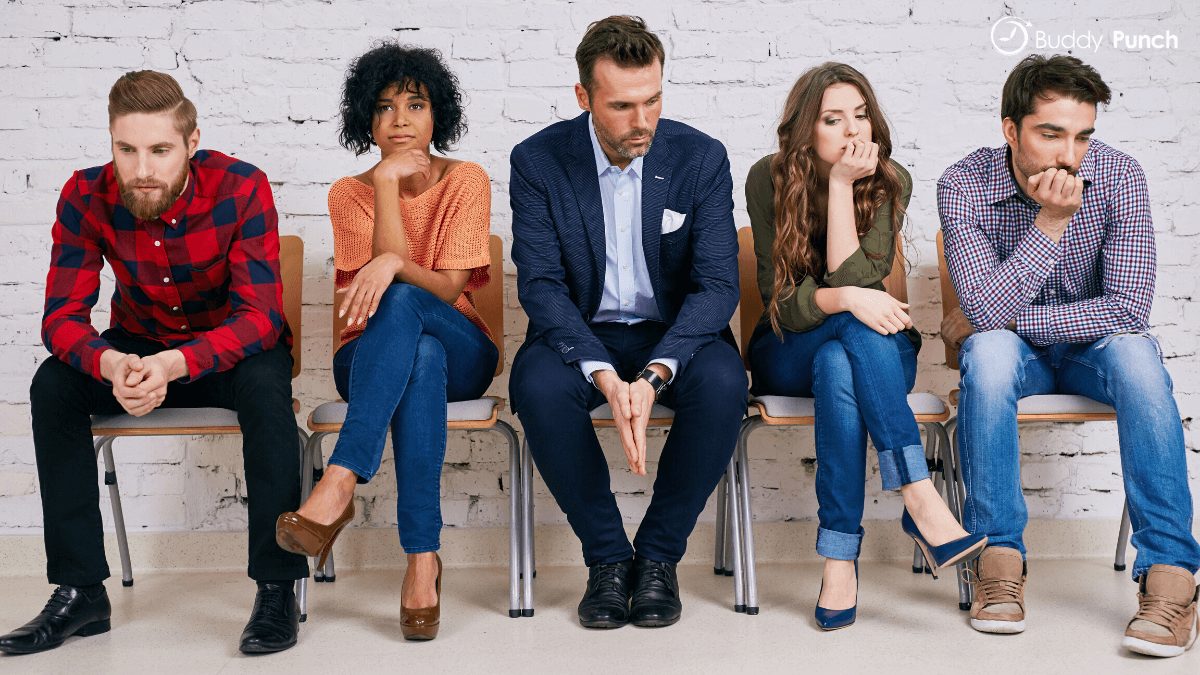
{"x":799,"y":312}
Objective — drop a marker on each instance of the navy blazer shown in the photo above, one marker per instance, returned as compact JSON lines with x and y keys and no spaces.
{"x":559,"y":247}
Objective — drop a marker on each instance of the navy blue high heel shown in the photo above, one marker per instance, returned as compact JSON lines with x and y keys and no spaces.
{"x":833,"y":619}
{"x":961,"y":550}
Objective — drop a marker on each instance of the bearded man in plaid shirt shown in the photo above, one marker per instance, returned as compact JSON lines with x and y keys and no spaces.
{"x":1050,"y":237}
{"x":197,"y":321}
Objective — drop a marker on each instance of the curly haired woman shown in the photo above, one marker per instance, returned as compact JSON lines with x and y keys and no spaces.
{"x":410,"y":244}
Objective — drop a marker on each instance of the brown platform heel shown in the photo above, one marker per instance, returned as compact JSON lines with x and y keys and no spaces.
{"x":422,"y":624}
{"x":296,"y":534}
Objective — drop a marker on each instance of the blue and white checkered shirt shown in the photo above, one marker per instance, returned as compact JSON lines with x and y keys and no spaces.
{"x":1097,"y":280}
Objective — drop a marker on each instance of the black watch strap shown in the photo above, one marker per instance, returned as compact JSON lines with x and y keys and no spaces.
{"x":655,"y":381}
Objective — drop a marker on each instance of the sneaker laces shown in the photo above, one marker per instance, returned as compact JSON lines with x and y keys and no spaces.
{"x":992,"y":591}
{"x":1159,"y":609}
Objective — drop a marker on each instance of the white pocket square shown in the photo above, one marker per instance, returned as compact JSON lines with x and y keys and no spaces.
{"x":672,"y":221}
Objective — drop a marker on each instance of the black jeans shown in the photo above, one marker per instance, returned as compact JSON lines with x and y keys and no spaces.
{"x":259,"y":388}
{"x":553,"y":401}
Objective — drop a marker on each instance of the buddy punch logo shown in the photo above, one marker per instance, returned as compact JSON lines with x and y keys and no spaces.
{"x":1011,"y":35}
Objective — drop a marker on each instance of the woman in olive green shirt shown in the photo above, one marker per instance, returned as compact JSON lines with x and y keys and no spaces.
{"x":824,"y":211}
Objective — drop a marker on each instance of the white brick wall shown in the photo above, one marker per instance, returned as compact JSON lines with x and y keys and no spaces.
{"x":266,"y":76}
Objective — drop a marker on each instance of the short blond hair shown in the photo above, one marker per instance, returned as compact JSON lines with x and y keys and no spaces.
{"x":148,"y":91}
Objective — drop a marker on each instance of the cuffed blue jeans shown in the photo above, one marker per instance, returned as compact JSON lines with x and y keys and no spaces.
{"x":860,"y":380}
{"x":397,"y":372}
{"x":1123,"y":370}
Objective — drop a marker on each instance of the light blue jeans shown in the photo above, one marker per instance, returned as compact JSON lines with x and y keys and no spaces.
{"x":1123,"y":370}
{"x":416,"y":354}
{"x":860,"y":380}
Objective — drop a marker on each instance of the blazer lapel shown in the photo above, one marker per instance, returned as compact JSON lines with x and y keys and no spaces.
{"x":582,"y":171}
{"x":656,"y":182}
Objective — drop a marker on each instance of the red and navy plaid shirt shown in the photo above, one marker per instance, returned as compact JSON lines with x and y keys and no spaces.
{"x":1096,"y":281}
{"x":202,"y":278}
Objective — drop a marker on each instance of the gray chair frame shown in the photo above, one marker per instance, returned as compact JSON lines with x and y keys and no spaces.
{"x":199,"y":421}
{"x":734,"y":549}
{"x":660,"y":416}
{"x":313,"y":461}
{"x":1041,"y":408}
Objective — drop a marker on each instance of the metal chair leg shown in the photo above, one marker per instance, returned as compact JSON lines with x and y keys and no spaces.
{"x":514,"y":518}
{"x":728,"y":509}
{"x":104,"y":446}
{"x":312,"y":454}
{"x":719,"y":529}
{"x":735,"y":521}
{"x":1122,"y":540}
{"x":305,"y":490}
{"x":747,"y":514}
{"x":526,"y":529}
{"x":956,"y":494}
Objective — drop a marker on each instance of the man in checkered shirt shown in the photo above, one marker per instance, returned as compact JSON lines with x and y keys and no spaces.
{"x":1050,"y":247}
{"x":197,"y":321}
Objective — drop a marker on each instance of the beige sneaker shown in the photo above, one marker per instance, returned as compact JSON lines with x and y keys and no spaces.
{"x":999,"y":605}
{"x":1166,"y":623}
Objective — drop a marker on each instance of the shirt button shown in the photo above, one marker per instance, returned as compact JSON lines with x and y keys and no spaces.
{"x":172,"y":221}
{"x":166,"y":280}
{"x":622,"y":229}
{"x":183,"y":327}
{"x":175,"y":309}
{"x":625,"y":267}
{"x":158,"y":243}
{"x":620,"y":192}
{"x":626,"y":303}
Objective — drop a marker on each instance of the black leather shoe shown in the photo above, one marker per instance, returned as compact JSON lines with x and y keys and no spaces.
{"x":656,"y":596}
{"x":605,"y":604}
{"x":68,"y":613}
{"x":275,"y":621}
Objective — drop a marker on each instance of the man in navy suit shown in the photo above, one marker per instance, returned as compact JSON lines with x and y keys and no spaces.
{"x":626,"y":257}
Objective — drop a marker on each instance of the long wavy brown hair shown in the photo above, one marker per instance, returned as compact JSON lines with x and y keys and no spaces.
{"x":800,"y":231}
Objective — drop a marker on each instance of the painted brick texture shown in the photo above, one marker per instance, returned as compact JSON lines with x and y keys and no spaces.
{"x":266,"y":78}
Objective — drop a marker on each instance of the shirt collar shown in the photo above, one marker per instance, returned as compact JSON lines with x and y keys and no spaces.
{"x":602,"y":163}
{"x":1002,"y":184}
{"x":174,"y":216}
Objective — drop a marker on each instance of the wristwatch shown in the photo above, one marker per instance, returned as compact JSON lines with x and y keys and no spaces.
{"x":655,"y":381}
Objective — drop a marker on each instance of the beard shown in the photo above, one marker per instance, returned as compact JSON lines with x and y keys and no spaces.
{"x":145,"y":207}
{"x":619,"y":144}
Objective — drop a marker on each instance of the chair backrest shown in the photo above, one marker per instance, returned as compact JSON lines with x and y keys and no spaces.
{"x":489,"y":302}
{"x":949,"y":297}
{"x":291,"y":269}
{"x":896,"y":284}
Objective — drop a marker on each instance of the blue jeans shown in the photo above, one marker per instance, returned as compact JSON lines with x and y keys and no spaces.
{"x":397,"y":372}
{"x":860,"y":380}
{"x":1123,"y":370}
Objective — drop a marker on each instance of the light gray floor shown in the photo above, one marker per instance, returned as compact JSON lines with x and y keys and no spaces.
{"x":179,"y":623}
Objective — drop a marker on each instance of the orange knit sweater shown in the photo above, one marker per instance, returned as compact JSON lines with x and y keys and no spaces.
{"x":447,"y":227}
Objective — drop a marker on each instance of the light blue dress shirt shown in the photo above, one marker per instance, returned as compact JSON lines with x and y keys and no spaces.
{"x":628,"y":295}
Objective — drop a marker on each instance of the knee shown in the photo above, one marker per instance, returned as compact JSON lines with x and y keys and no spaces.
{"x":831,"y":369}
{"x":1131,"y":361}
{"x":719,"y":378}
{"x":53,"y":383}
{"x":264,"y":378}
{"x":991,"y":359}
{"x":543,"y":381}
{"x":430,"y":356}
{"x":399,"y":298}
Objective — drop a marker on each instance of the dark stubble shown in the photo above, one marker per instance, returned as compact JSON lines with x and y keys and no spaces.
{"x":619,"y":143}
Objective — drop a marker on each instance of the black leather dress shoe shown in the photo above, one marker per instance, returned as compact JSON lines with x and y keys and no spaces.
{"x":656,"y":596}
{"x":275,"y":621}
{"x":605,"y":604}
{"x":69,"y":612}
